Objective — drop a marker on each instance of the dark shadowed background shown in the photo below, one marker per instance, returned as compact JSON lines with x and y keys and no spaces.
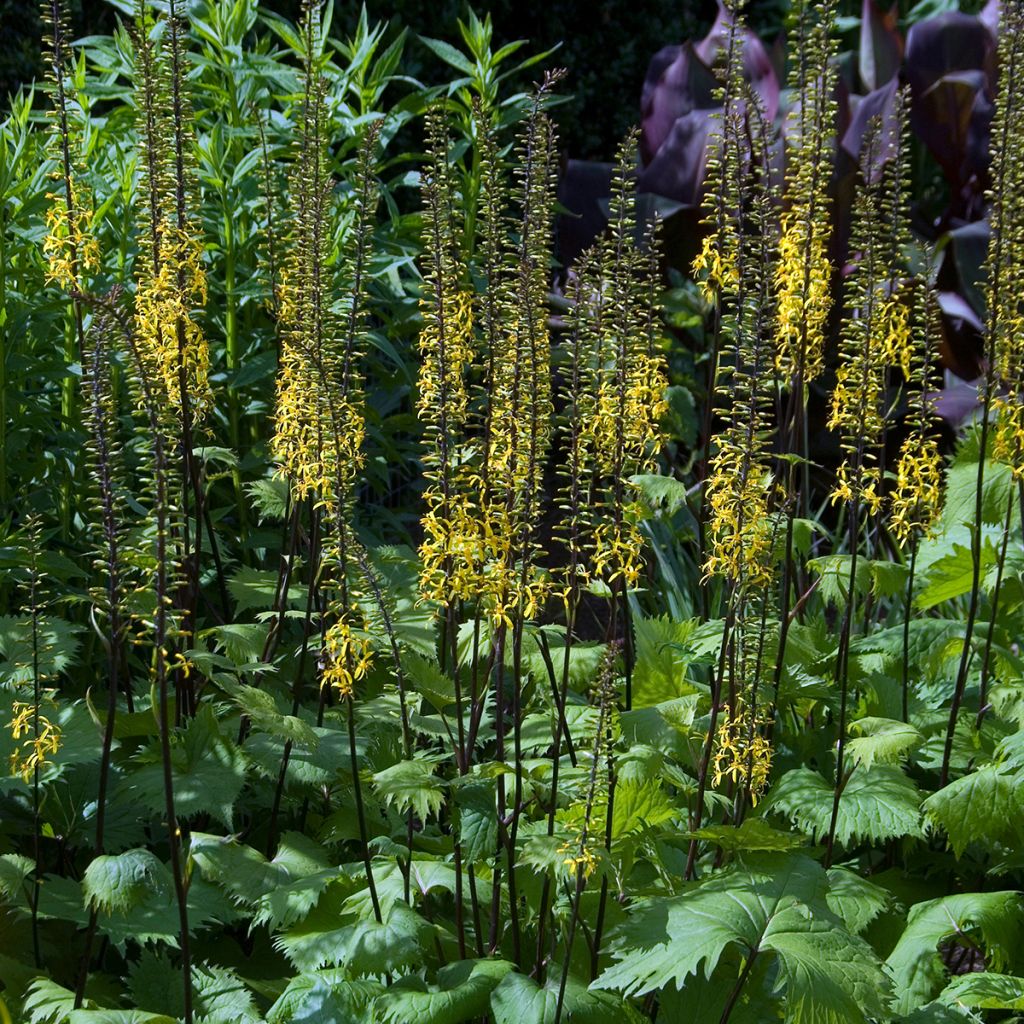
{"x":606,"y":45}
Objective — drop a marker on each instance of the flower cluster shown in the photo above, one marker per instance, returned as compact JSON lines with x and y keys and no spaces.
{"x":739,"y":525}
{"x":1005,"y":270}
{"x":38,"y":739}
{"x":346,"y":656}
{"x":742,"y":754}
{"x":876,"y":332}
{"x":803,"y":273}
{"x":70,"y":247}
{"x":917,"y":497}
{"x":171,"y":341}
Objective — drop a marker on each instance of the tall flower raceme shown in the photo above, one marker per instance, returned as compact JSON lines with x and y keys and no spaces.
{"x":1006,"y":248}
{"x":628,"y":382}
{"x":742,"y":526}
{"x":452,"y":552}
{"x":320,"y":420}
{"x":171,"y":278}
{"x":716,"y":266}
{"x":520,"y":418}
{"x":915,"y":502}
{"x":876,"y":334}
{"x":70,"y":245}
{"x":803,"y":272}
{"x":876,"y":329}
{"x":739,"y":478}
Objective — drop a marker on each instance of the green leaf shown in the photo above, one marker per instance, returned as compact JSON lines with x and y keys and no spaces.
{"x":985,"y":806}
{"x":985,"y":991}
{"x":325,"y":997}
{"x":14,"y":869}
{"x":877,"y":804}
{"x":118,"y":1017}
{"x":244,"y":872}
{"x":640,"y":804}
{"x":257,"y":588}
{"x":261,"y":709}
{"x":952,"y":575}
{"x":208,"y":771}
{"x":57,"y":647}
{"x":664,"y":492}
{"x":478,"y":819}
{"x":662,"y":657}
{"x":753,"y":834}
{"x":123,"y":882}
{"x":769,"y":903}
{"x":411,"y":785}
{"x":520,"y":1000}
{"x":916,"y":966}
{"x":221,"y":997}
{"x":463,"y":991}
{"x":883,"y":740}
{"x":856,"y":900}
{"x":449,"y":54}
{"x":47,"y":1001}
{"x":242,"y":642}
{"x":270,"y":496}
{"x":362,"y":947}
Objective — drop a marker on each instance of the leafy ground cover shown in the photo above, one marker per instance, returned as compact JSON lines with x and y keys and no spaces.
{"x":415,"y":611}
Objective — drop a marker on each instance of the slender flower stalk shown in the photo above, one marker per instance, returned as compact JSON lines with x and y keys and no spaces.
{"x":876,"y":334}
{"x":915,"y":503}
{"x":1004,"y":324}
{"x":741,"y":527}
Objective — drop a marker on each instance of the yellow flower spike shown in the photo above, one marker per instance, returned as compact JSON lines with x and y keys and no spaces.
{"x":34,"y":752}
{"x":715,"y":270}
{"x":70,"y":248}
{"x":917,"y":497}
{"x":347,"y":658}
{"x":165,"y":301}
{"x":742,"y":754}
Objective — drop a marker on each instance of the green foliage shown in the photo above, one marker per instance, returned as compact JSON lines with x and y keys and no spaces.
{"x":774,"y":904}
{"x":276,"y":778}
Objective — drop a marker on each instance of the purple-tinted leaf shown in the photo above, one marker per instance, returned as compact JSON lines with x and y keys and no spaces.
{"x":881,"y":46}
{"x":677,"y":83}
{"x":963,"y":263}
{"x":678,"y":168}
{"x":757,"y":66}
{"x":953,"y":118}
{"x":958,"y":308}
{"x":950,"y":68}
{"x":990,"y":17}
{"x":881,"y":104}
{"x":957,"y":401}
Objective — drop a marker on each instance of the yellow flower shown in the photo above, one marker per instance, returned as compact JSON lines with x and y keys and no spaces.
{"x":171,"y":341}
{"x":802,"y":277}
{"x":917,"y":498}
{"x":33,"y":751}
{"x":578,"y":857}
{"x":715,"y":269}
{"x":742,"y":753}
{"x":739,"y":527}
{"x":70,"y":247}
{"x":346,"y":658}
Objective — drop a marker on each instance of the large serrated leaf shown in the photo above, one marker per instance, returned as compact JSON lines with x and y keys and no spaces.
{"x":462,"y":992}
{"x":124,"y":881}
{"x":766,"y":903}
{"x":985,"y":806}
{"x":876,"y":804}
